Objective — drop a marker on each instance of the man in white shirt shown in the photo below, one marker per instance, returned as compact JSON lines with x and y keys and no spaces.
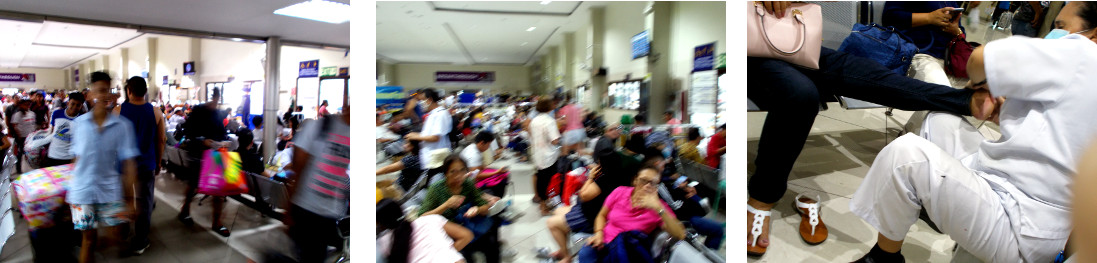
{"x":1003,"y":201}
{"x":544,"y":137}
{"x":436,"y":127}
{"x":474,"y":157}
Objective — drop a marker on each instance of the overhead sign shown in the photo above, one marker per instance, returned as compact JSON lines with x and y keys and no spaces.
{"x":343,"y":72}
{"x":464,"y":78}
{"x":76,"y":76}
{"x":17,"y":77}
{"x":703,"y":57}
{"x":309,"y":69}
{"x":329,"y":71}
{"x":188,"y":68}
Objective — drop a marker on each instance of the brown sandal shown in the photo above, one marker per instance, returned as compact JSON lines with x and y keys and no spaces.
{"x":812,"y":229}
{"x":753,"y":249}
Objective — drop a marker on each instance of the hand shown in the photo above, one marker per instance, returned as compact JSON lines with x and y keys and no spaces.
{"x":412,"y":136}
{"x":983,"y":105}
{"x":595,"y":241}
{"x":595,"y":171}
{"x":940,"y":17}
{"x":472,"y":212}
{"x":776,"y":8}
{"x":503,"y":170}
{"x":454,"y":201}
{"x":690,"y":191}
{"x":998,"y":109}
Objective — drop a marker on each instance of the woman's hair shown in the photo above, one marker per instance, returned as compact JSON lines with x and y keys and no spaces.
{"x":430,"y":94}
{"x":1088,"y":12}
{"x":390,"y":216}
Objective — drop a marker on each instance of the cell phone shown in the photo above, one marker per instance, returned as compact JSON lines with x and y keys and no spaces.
{"x":956,"y":11}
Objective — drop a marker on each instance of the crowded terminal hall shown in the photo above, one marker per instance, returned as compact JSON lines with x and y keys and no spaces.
{"x":572,"y":132}
{"x":150,"y":131}
{"x":929,"y":131}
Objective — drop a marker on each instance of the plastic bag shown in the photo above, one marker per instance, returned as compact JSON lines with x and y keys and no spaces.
{"x":36,"y":148}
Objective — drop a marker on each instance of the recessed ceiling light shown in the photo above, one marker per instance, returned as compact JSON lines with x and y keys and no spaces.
{"x":531,"y":28}
{"x":318,"y":10}
{"x":545,"y":2}
{"x":237,"y":39}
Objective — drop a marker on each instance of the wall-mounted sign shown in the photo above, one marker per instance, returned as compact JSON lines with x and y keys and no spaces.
{"x":309,"y":69}
{"x":641,"y":45}
{"x":76,"y":76}
{"x":343,"y":72}
{"x":165,"y":80}
{"x":703,"y":57}
{"x":464,"y":78}
{"x":329,"y":71}
{"x":188,"y":68}
{"x":390,"y":97}
{"x":17,"y":77}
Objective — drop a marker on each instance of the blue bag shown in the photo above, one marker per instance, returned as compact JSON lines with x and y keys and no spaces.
{"x":882,"y":44}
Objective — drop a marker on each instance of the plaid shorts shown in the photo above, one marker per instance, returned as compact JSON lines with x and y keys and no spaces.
{"x":86,"y":217}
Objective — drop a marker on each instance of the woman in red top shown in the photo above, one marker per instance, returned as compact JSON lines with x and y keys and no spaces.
{"x":716,"y":147}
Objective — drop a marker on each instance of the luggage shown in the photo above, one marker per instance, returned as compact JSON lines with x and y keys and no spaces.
{"x":222,"y":174}
{"x":41,"y":193}
{"x":37,"y":148}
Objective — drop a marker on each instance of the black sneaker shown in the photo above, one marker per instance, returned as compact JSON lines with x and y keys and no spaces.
{"x":869,"y":259}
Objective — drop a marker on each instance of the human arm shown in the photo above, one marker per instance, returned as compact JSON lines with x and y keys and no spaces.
{"x":391,"y":168}
{"x":897,"y":14}
{"x":776,"y":8}
{"x":461,"y":236}
{"x":597,"y":240}
{"x":161,"y":138}
{"x":670,"y":222}
{"x":590,"y":189}
{"x":1038,"y":12}
{"x":4,"y":143}
{"x":1033,"y":69}
{"x":129,"y":178}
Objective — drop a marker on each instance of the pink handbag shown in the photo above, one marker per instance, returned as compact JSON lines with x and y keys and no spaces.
{"x":797,"y":38}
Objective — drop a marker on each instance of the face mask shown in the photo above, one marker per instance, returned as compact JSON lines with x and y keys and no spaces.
{"x":1056,"y":34}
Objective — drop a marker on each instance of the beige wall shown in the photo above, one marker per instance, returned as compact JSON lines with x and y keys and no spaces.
{"x":513,"y":79}
{"x":291,"y":59}
{"x":45,"y":79}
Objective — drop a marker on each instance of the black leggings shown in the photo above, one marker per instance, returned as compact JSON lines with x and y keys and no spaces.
{"x":544,"y":178}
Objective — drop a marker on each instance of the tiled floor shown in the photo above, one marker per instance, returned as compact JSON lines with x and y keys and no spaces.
{"x":252,"y":234}
{"x":530,"y":232}
{"x":836,"y":156}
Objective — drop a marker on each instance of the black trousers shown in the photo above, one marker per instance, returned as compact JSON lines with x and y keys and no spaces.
{"x":313,"y":233}
{"x":792,"y":95}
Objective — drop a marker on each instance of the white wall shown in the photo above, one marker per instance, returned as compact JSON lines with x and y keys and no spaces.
{"x":289,"y":68}
{"x":513,"y":79}
{"x":45,"y":79}
{"x":694,"y":24}
{"x":623,"y":21}
{"x":170,"y":55}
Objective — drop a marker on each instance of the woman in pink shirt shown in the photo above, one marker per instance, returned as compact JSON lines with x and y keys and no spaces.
{"x":574,"y":132}
{"x":635,"y":208}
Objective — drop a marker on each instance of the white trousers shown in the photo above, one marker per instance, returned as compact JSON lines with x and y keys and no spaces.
{"x":915,"y":172}
{"x":930,"y":70}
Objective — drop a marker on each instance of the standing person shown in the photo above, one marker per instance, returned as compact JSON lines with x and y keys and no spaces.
{"x":436,"y":128}
{"x":204,"y":130}
{"x":574,"y":132}
{"x":148,"y":125}
{"x":717,"y":146}
{"x":321,"y":157}
{"x":544,"y":136}
{"x":102,"y":142}
{"x":1002,"y":7}
{"x":23,"y":123}
{"x":41,"y":110}
{"x":323,"y":111}
{"x":61,"y":138}
{"x":669,"y":119}
{"x":1029,"y":17}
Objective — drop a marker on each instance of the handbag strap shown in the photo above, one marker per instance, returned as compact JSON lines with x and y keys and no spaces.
{"x":796,"y":13}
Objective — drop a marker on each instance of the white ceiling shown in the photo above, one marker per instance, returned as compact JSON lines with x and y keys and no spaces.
{"x":54,"y":44}
{"x":243,"y":17}
{"x":491,"y":32}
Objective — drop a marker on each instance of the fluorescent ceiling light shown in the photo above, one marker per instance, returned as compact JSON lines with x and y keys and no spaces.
{"x":318,"y":10}
{"x":545,"y":2}
{"x":531,"y":28}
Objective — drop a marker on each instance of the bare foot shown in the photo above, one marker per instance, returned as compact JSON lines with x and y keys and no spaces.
{"x":763,"y":239}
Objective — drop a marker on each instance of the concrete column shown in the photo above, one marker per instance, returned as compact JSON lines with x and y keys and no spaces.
{"x":553,"y":74}
{"x":68,"y":79}
{"x":569,"y":63}
{"x":125,"y":54}
{"x":106,"y":63}
{"x":596,"y":36}
{"x":270,"y":96}
{"x":154,"y":86}
{"x":196,"y":56}
{"x":659,"y":65}
{"x":85,"y":73}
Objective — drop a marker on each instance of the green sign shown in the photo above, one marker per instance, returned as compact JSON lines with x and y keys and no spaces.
{"x":329,"y":71}
{"x":721,"y":61}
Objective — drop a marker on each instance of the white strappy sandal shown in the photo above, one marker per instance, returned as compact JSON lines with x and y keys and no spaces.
{"x":756,"y":230}
{"x":812,"y":229}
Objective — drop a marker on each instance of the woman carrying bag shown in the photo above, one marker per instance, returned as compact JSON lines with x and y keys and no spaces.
{"x":790,"y":88}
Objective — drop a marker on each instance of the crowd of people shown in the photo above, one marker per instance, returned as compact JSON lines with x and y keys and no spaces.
{"x":116,"y":144}
{"x":1017,"y":204}
{"x":458,"y":213}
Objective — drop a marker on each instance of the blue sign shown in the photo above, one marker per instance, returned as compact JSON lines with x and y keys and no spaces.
{"x":641,"y":46}
{"x":309,"y":69}
{"x":703,"y":57}
{"x":390,"y":97}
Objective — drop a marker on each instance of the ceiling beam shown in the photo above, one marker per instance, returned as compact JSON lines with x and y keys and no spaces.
{"x":442,"y":9}
{"x":542,"y":45}
{"x":460,"y":44}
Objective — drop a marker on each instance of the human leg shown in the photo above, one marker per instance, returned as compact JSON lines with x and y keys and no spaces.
{"x":713,"y":232}
{"x":558,"y":227}
{"x":912,"y":173}
{"x":218,"y":207}
{"x":861,"y":78}
{"x":542,"y":180}
{"x":145,"y":202}
{"x":954,"y":134}
{"x":587,"y":254}
{"x":307,"y":233}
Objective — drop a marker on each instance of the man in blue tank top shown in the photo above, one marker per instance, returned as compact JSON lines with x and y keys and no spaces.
{"x":148,"y":125}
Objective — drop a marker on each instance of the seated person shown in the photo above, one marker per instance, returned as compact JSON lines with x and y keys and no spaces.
{"x":1016,"y":201}
{"x":427,"y":239}
{"x":492,"y":181}
{"x":688,"y":150}
{"x":448,"y":197}
{"x":627,"y":210}
{"x":592,"y":195}
{"x":249,"y":154}
{"x":689,"y":208}
{"x":409,"y":167}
